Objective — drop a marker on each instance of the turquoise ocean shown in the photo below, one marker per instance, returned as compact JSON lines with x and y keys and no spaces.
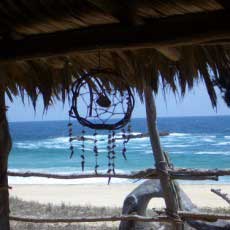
{"x":194,"y":142}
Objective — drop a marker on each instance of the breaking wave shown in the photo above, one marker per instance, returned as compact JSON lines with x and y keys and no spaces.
{"x":223,"y":143}
{"x":212,"y":153}
{"x":179,"y":134}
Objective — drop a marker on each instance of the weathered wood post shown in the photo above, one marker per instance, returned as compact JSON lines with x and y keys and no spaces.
{"x":169,"y":191}
{"x":5,"y":147}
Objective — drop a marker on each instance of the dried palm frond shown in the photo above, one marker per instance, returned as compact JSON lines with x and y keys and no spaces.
{"x":140,"y":67}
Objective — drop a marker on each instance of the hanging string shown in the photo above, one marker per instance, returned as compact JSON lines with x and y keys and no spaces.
{"x":109,"y":152}
{"x":70,"y":127}
{"x":124,"y":144}
{"x":83,"y":150}
{"x":109,"y":148}
{"x":126,"y":138}
{"x":95,"y":150}
{"x":113,"y":152}
{"x":128,"y":132}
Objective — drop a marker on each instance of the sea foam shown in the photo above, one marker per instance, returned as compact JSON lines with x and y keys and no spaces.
{"x":179,"y":134}
{"x":222,"y":143}
{"x":212,"y":153}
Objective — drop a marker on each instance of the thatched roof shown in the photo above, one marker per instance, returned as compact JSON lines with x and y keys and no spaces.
{"x":176,"y":42}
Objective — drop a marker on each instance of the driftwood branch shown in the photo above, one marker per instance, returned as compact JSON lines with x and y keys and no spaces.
{"x":158,"y":218}
{"x":93,"y":219}
{"x":199,"y":172}
{"x":210,"y":217}
{"x":176,"y":173}
{"x":145,"y":174}
{"x":224,"y":196}
{"x":137,"y":202}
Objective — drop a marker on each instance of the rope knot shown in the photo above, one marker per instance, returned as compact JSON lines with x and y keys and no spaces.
{"x":162,"y":167}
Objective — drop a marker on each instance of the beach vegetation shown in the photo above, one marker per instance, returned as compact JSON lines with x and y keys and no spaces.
{"x":34,"y":209}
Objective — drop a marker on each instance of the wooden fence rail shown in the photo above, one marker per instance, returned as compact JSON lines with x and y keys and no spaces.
{"x":147,"y":174}
{"x":199,"y":172}
{"x":177,"y":173}
{"x":161,"y":217}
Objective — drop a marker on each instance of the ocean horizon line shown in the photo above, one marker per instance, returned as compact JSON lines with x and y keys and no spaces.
{"x":186,"y":116}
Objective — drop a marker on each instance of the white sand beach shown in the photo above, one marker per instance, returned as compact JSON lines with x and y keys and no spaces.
{"x":110,"y":195}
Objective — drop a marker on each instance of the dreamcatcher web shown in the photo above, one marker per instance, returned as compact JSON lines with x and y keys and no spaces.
{"x":95,"y":112}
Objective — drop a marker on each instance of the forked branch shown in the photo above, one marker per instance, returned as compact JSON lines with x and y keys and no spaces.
{"x":224,"y":196}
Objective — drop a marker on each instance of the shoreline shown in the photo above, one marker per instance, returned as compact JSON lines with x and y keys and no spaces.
{"x":113,"y":195}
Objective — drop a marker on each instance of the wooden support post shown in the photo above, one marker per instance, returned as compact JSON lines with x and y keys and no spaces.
{"x":169,"y":191}
{"x":5,"y":147}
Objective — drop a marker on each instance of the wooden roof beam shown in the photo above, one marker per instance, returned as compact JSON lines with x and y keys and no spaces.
{"x":165,"y":32}
{"x":126,"y":13}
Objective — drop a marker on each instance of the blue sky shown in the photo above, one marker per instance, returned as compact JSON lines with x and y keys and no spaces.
{"x":195,"y":103}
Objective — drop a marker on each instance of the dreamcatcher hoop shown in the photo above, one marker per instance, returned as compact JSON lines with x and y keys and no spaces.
{"x":101,"y":95}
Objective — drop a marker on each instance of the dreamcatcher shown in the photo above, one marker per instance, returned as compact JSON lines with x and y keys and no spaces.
{"x":99,"y":105}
